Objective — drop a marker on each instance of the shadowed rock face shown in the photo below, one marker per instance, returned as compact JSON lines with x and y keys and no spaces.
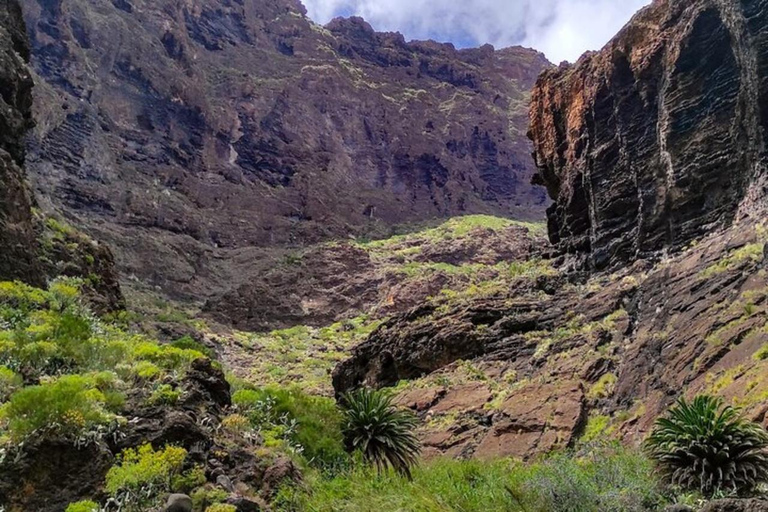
{"x":654,"y":142}
{"x":660,"y":137}
{"x":31,"y":250}
{"x":181,"y":132}
{"x":17,"y":234}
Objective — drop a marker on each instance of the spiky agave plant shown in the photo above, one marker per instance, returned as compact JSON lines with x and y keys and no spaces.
{"x":383,"y":432}
{"x":701,"y":445}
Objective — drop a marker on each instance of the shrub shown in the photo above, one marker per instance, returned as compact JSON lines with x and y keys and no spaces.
{"x":9,"y":382}
{"x":601,"y":477}
{"x":383,"y":433}
{"x":83,"y":506}
{"x":164,"y":395}
{"x":310,"y":424}
{"x":221,"y":507}
{"x":188,"y":343}
{"x":706,"y":447}
{"x":143,"y":474}
{"x":70,"y":404}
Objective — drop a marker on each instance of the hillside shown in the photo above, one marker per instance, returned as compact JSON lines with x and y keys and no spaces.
{"x":266,"y":360}
{"x":196,"y":137}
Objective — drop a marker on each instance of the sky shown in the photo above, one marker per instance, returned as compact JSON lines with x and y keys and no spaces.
{"x":562,"y":29}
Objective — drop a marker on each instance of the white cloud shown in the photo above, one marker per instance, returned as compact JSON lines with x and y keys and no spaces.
{"x":562,"y":29}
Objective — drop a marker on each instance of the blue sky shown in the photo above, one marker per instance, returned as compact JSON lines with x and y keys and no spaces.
{"x":562,"y":29}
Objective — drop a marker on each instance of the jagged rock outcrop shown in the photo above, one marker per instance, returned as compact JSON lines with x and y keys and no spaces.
{"x":185,"y":132}
{"x":653,"y":145}
{"x":661,"y":136}
{"x":35,"y":249}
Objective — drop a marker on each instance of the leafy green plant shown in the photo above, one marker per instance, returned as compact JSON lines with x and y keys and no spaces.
{"x":704,"y":446}
{"x":142,"y":475}
{"x":383,"y":433}
{"x":310,"y":425}
{"x":70,"y":404}
{"x":83,"y":506}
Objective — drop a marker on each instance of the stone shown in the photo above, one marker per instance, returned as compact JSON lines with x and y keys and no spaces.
{"x":178,"y":503}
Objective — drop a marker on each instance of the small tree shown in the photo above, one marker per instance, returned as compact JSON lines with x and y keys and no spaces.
{"x":381,"y":431}
{"x":704,"y":446}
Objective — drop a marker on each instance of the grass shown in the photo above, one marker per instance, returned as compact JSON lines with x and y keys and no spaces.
{"x":303,"y":356}
{"x":596,"y":479}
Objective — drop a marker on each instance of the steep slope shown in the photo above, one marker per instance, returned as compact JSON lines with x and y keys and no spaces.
{"x":660,"y":137}
{"x":35,"y":249}
{"x":653,"y":150}
{"x":185,"y":133}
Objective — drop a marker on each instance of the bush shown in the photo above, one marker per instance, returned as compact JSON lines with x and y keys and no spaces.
{"x":83,"y":506}
{"x":601,"y":477}
{"x":187,"y":343}
{"x":706,"y":447}
{"x":70,"y":404}
{"x":142,"y":475}
{"x":9,"y":382}
{"x":310,"y":424}
{"x":383,"y":433}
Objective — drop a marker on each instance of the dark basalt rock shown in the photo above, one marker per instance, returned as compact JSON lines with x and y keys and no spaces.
{"x":235,"y":124}
{"x":658,"y":138}
{"x":31,"y":252}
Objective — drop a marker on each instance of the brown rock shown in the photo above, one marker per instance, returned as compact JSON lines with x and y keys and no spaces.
{"x":654,"y":141}
{"x":218,"y":126}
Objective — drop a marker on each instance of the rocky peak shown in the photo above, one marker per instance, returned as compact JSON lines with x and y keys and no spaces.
{"x":658,"y":138}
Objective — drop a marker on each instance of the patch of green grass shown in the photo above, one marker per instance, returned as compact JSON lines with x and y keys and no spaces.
{"x":308,"y":425}
{"x":303,"y":356}
{"x":752,"y":252}
{"x":606,"y":478}
{"x":603,"y":388}
{"x":761,"y":354}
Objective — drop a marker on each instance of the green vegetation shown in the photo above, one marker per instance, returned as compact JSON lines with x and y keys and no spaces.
{"x":290,"y":419}
{"x":142,"y":475}
{"x":596,"y":479}
{"x":752,"y":252}
{"x":303,"y":356}
{"x":383,"y":433}
{"x":706,"y":447}
{"x":83,"y":506}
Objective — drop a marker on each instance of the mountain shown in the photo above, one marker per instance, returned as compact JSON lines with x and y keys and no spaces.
{"x":653,"y":150}
{"x":186,"y":134}
{"x":36,"y":248}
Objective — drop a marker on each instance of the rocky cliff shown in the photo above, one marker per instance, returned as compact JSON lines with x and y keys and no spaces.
{"x":653,"y":150}
{"x":35,"y":249}
{"x":185,"y":133}
{"x":660,"y":137}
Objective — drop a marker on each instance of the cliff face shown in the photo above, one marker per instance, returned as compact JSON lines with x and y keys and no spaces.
{"x":660,"y":137}
{"x":183,"y":132}
{"x":650,"y":145}
{"x":35,"y":249}
{"x":17,"y":233}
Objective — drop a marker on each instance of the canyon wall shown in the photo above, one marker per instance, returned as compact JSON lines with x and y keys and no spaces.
{"x":660,"y":137}
{"x":187,"y":133}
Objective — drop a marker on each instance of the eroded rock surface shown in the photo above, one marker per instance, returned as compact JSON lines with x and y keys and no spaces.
{"x":33,"y":248}
{"x":182,"y":133}
{"x":660,"y":137}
